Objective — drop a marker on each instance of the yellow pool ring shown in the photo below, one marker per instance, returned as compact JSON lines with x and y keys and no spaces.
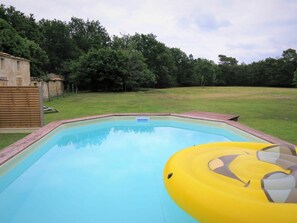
{"x":235,"y":182}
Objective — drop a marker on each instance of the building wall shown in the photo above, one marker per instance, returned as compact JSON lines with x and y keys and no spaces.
{"x":3,"y":81}
{"x":16,"y":70}
{"x":55,"y":88}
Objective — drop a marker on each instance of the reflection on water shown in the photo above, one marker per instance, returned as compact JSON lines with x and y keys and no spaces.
{"x":96,"y":137}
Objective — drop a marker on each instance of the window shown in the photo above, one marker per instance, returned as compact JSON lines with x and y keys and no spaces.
{"x":1,"y":63}
{"x":18,"y":65}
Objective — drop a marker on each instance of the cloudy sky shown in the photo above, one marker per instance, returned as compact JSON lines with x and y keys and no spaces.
{"x":247,"y":30}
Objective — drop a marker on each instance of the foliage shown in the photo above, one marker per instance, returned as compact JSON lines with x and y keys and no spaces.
{"x":295,"y":78}
{"x":228,"y":69}
{"x":37,"y":57}
{"x":157,"y":57}
{"x":269,"y":72}
{"x":138,"y":74}
{"x":57,"y":43}
{"x":205,"y":72}
{"x":11,"y":42}
{"x":25,"y":26}
{"x":171,"y":66}
{"x":107,"y":69}
{"x":184,"y":67}
{"x":140,"y":60}
{"x":228,"y":61}
{"x":88,"y":34}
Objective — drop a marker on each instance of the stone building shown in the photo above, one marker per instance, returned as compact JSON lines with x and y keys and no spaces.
{"x":51,"y":86}
{"x":14,"y":71}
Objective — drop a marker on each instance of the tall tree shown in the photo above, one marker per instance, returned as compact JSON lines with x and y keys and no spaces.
{"x":25,"y":26}
{"x":228,"y":70}
{"x":205,"y":72}
{"x":124,"y":42}
{"x":88,"y":34}
{"x":11,"y":42}
{"x":289,"y":65}
{"x":295,"y":78}
{"x":137,"y":73}
{"x":224,"y":60}
{"x":58,"y":45}
{"x":290,"y":55}
{"x":184,"y":67}
{"x":158,"y":58}
{"x":113,"y":70}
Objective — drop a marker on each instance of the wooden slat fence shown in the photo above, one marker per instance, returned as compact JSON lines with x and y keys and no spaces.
{"x":20,"y":107}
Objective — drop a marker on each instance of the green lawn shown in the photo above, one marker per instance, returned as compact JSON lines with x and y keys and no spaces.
{"x":7,"y":139}
{"x":271,"y":110}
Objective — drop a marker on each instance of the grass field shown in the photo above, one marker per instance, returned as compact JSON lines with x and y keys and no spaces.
{"x":271,"y":110}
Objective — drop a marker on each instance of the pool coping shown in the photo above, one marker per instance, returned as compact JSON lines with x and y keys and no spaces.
{"x":12,"y":150}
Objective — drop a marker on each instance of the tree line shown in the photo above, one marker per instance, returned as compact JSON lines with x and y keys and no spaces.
{"x":83,"y":52}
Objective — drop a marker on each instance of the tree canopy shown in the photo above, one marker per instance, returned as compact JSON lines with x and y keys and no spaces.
{"x":11,"y":42}
{"x":112,"y":70}
{"x":83,"y":52}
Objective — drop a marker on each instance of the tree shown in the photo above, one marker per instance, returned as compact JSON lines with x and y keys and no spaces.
{"x":184,"y":67}
{"x":11,"y":42}
{"x":25,"y":26}
{"x":290,"y":55}
{"x":295,"y":78}
{"x":37,"y":57}
{"x":289,"y":65}
{"x":113,"y":70}
{"x":224,"y":60}
{"x":58,"y":45}
{"x":88,"y":34}
{"x":128,"y":61}
{"x":137,"y":73}
{"x":205,"y":72}
{"x":158,"y":58}
{"x":124,"y":42}
{"x":228,"y":71}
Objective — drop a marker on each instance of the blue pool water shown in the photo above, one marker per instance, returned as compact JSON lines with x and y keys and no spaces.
{"x":103,"y":172}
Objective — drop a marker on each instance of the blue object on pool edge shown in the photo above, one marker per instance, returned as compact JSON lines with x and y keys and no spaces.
{"x":142,"y":119}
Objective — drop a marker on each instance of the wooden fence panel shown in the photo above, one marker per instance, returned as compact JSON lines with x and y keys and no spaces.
{"x":20,"y":107}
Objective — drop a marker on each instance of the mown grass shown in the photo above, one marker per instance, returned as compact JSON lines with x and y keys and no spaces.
{"x":7,"y":139}
{"x":271,"y":110}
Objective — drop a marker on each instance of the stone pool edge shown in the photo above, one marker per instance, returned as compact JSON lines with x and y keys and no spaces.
{"x":12,"y":150}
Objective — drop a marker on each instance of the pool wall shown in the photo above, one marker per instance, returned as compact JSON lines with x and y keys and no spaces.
{"x":19,"y":146}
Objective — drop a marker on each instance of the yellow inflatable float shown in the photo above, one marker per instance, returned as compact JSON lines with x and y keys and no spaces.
{"x":235,"y":182}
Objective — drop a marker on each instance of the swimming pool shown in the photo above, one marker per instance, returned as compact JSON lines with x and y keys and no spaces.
{"x":104,"y":170}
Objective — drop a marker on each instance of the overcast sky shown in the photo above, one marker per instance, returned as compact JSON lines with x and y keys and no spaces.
{"x":247,"y":30}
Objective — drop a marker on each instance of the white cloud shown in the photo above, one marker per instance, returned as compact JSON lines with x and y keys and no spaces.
{"x":248,"y":30}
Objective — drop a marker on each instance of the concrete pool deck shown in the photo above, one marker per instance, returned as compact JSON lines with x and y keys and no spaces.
{"x":17,"y":147}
